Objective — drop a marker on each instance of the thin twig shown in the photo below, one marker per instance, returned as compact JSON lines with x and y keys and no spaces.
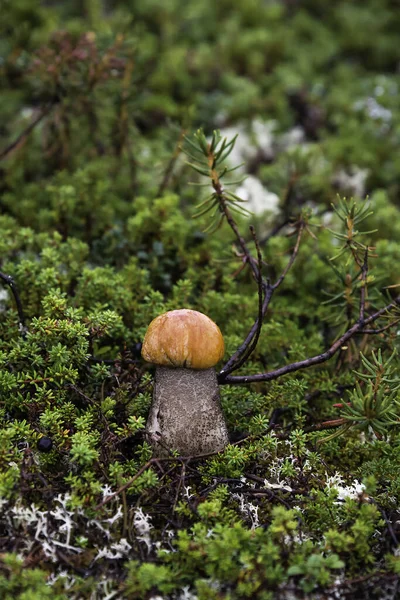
{"x":241,"y":240}
{"x":326,"y":425}
{"x":219,"y":191}
{"x":385,"y":328}
{"x":26,"y":131}
{"x":11,"y":283}
{"x":388,"y":523}
{"x":147,"y":465}
{"x":285,"y":271}
{"x":142,"y":469}
{"x":232,"y":363}
{"x":181,"y":482}
{"x":314,"y":360}
{"x":171,"y":164}
{"x":364,"y":578}
{"x":274,"y":231}
{"x":363,"y":292}
{"x":249,"y":348}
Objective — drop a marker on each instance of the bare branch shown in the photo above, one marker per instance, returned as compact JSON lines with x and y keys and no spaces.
{"x":235,"y":360}
{"x":314,"y":360}
{"x":230,"y":365}
{"x":10,"y":282}
{"x":274,"y":231}
{"x":171,"y":164}
{"x":221,"y":198}
{"x":155,"y":461}
{"x":363,"y":293}
{"x":285,"y":271}
{"x":246,"y":349}
{"x":26,"y":132}
{"x":232,"y":224}
{"x":381,"y":330}
{"x":332,"y":424}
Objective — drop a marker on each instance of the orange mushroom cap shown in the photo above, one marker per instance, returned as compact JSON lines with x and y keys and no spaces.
{"x":183,"y":338}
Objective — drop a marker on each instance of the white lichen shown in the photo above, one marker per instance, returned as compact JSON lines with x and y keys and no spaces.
{"x":353,"y":491}
{"x":141,"y":522}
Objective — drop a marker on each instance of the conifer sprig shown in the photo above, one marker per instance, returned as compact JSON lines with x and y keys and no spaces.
{"x":208,"y":159}
{"x":373,"y":404}
{"x":351,"y":214}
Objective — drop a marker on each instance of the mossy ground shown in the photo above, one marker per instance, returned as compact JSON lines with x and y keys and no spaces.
{"x":97,"y":232}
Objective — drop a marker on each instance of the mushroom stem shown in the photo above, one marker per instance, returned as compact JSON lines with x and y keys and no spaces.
{"x":186,"y":413}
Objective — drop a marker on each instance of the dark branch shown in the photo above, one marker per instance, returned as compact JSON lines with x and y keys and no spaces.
{"x":248,"y":348}
{"x":381,"y":330}
{"x":301,"y":226}
{"x":10,"y":282}
{"x":231,"y":365}
{"x":274,"y":231}
{"x":236,"y":359}
{"x":314,"y":360}
{"x":26,"y":132}
{"x":232,"y":223}
{"x":171,"y":165}
{"x":219,"y":192}
{"x":264,"y":286}
{"x":363,"y":293}
{"x":155,"y":461}
{"x":326,"y":425}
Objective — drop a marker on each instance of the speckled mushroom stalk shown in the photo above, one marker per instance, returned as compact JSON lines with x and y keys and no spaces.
{"x":186,"y":412}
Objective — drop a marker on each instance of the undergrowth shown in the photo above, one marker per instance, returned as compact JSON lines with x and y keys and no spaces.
{"x":103,"y":107}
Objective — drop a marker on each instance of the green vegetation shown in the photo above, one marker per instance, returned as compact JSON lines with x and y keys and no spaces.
{"x":121,"y":197}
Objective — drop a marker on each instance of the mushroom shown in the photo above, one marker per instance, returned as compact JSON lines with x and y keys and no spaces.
{"x":186,"y":412}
